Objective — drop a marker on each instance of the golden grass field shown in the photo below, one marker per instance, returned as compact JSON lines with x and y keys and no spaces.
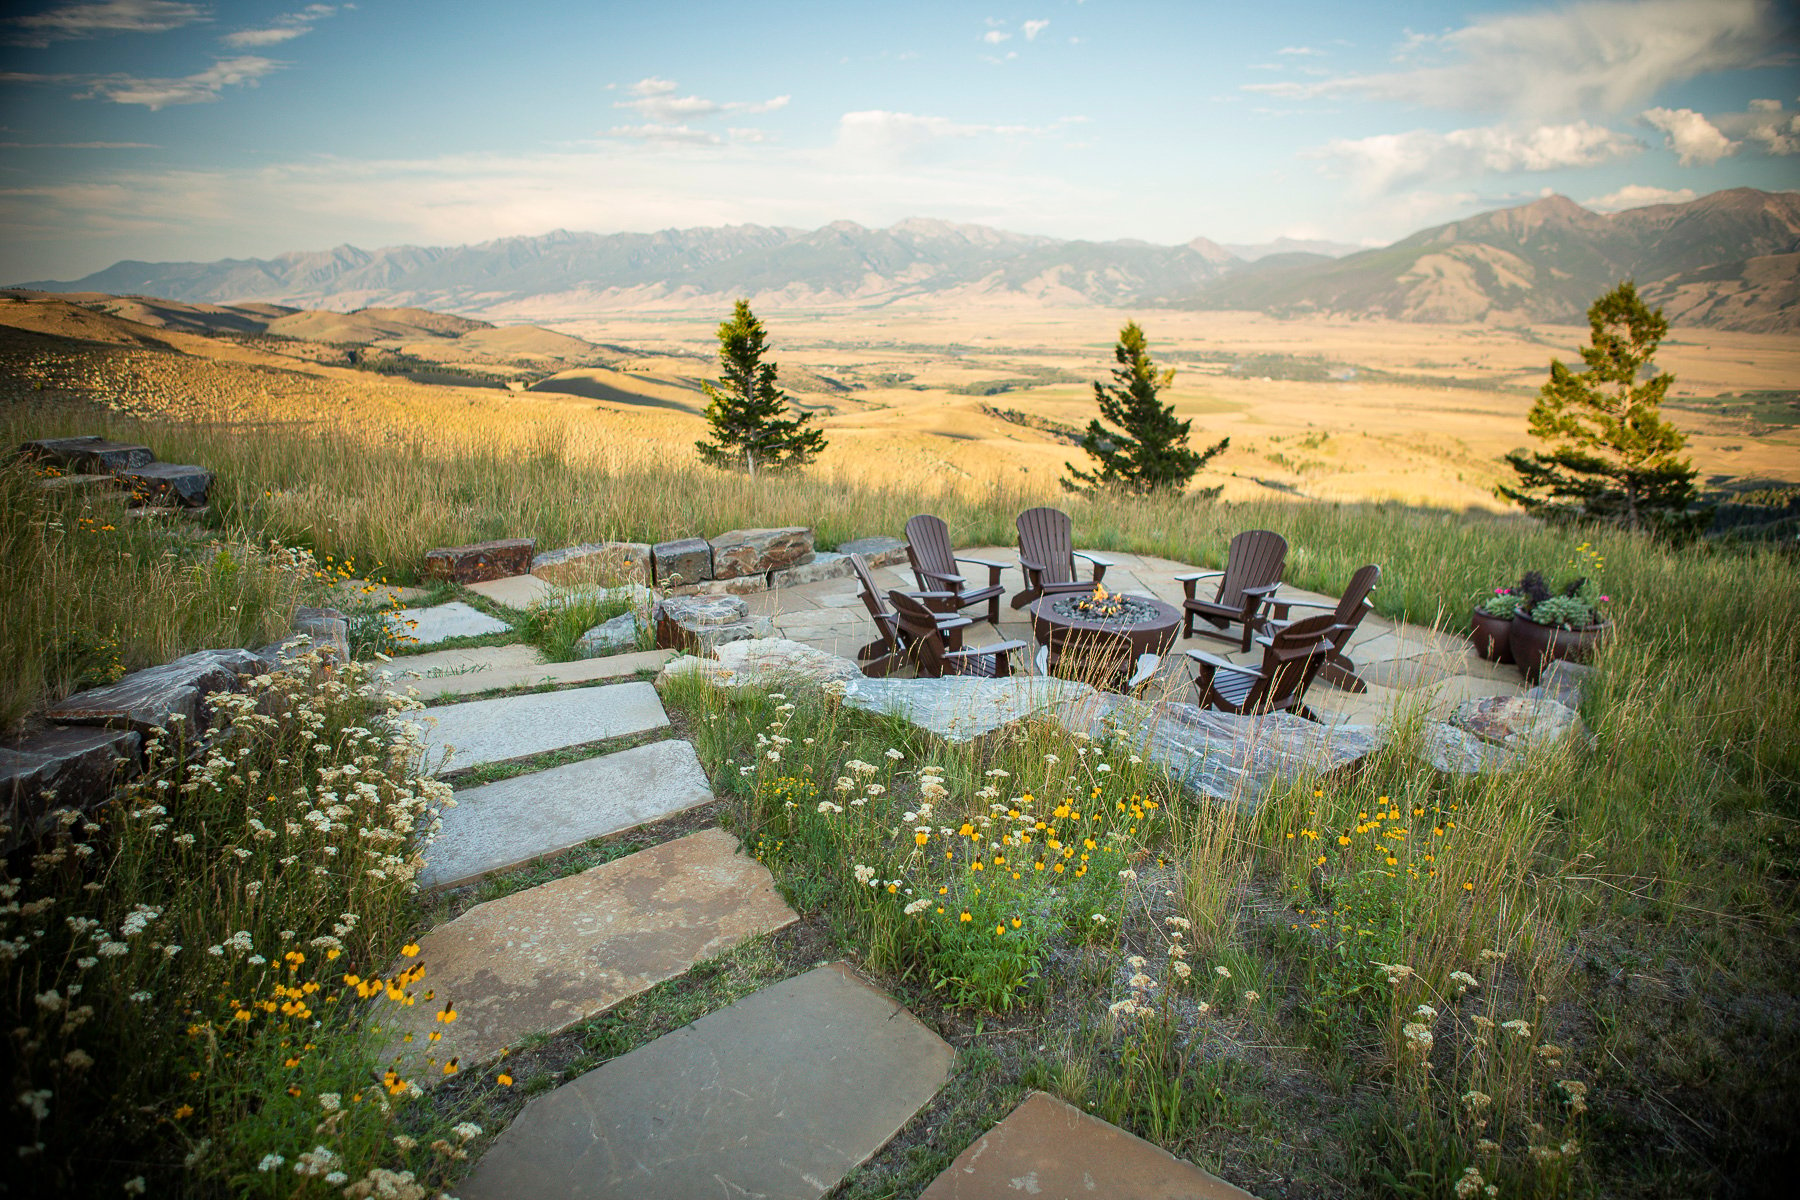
{"x":884,"y":387}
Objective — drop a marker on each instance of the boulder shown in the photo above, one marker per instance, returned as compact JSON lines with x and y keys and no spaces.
{"x":759,"y":551}
{"x":1516,"y":722}
{"x":1563,"y":682}
{"x":593,"y":562}
{"x":687,"y":560}
{"x":743,"y":585}
{"x":149,"y":699}
{"x":960,"y":708}
{"x":609,"y":637}
{"x":328,"y":628}
{"x":763,"y":662}
{"x":482,"y":561}
{"x":877,"y":551}
{"x":94,"y":454}
{"x":1222,"y":755}
{"x":1457,"y":752}
{"x":165,"y":483}
{"x":699,"y":624}
{"x":825,"y":564}
{"x":80,"y":766}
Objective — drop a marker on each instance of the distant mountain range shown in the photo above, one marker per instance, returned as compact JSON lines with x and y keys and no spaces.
{"x":1730,"y":260}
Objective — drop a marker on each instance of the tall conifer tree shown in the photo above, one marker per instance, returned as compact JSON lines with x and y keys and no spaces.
{"x":750,"y":431}
{"x":1147,"y":449}
{"x":1612,"y":457}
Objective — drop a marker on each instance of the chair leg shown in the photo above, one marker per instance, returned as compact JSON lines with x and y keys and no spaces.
{"x":994,"y":611}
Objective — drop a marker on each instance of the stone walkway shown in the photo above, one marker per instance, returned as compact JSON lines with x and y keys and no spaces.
{"x":784,"y":1092}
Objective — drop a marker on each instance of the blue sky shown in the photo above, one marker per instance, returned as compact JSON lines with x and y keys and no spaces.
{"x":178,"y":129}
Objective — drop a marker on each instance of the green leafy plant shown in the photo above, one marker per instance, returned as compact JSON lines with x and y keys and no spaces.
{"x":1504,"y":602}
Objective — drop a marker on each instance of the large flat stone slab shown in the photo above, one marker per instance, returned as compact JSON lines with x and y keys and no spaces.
{"x":89,"y":453}
{"x":776,"y":1097}
{"x":761,"y":662}
{"x":76,"y":765}
{"x":484,"y":731}
{"x":538,"y":961}
{"x":515,"y":591}
{"x":959,"y":708}
{"x":590,"y":670}
{"x":1052,"y":1151}
{"x":504,"y":824}
{"x":168,"y":483}
{"x":148,"y":699}
{"x":441,"y":622}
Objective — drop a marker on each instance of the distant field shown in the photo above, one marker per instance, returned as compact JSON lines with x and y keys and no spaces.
{"x":1328,"y":409}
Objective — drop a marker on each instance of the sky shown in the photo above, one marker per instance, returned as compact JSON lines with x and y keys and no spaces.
{"x":181,"y":130}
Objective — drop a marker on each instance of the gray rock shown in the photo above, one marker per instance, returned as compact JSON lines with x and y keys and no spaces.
{"x":482,"y":561}
{"x":441,"y":622}
{"x":742,"y":585}
{"x":328,"y":628}
{"x":163,"y":483}
{"x":501,"y":825}
{"x":759,"y":551}
{"x":960,"y":708}
{"x":1458,"y":752}
{"x":609,"y":637}
{"x":621,"y":562}
{"x":1561,"y":681}
{"x":1222,"y":755}
{"x":483,"y":731}
{"x":878,"y":551}
{"x":78,"y":765}
{"x":1517,"y":722}
{"x":687,"y":560}
{"x":763,"y":662}
{"x":153,"y":697}
{"x":89,"y":453}
{"x":697,"y":624}
{"x":825,"y":564}
{"x":79,"y":483}
{"x":779,"y":1095}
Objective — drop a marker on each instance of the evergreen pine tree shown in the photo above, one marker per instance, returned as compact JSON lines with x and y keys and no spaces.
{"x":746,"y":409}
{"x":1147,"y":449}
{"x":1612,"y":457}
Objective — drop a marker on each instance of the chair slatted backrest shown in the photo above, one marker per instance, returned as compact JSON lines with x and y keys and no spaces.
{"x":917,"y":628}
{"x":928,"y":549}
{"x":1046,"y":537}
{"x":1350,"y":605}
{"x":1291,"y":659}
{"x":871,"y":597}
{"x":1255,"y":558}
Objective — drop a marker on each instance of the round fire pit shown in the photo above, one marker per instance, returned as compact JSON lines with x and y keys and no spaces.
{"x":1100,"y":638}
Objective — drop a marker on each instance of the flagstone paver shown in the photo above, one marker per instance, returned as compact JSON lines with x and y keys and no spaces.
{"x":587,"y":670}
{"x":777,"y":1097}
{"x":515,"y":591}
{"x":1051,"y":1151}
{"x":540,"y":960}
{"x":444,"y":621}
{"x":501,"y":825}
{"x":484,"y":731}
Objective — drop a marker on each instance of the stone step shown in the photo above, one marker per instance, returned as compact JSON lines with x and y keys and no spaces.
{"x":540,"y":960}
{"x":440,"y":622}
{"x":779,"y":1095}
{"x":487,"y":668}
{"x":515,"y":591}
{"x":485,"y":731}
{"x":514,"y":821}
{"x":1049,"y":1149}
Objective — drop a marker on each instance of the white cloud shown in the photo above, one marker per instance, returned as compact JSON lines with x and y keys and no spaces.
{"x":1766,"y":126}
{"x":284,"y":28}
{"x":1592,"y":55}
{"x":1688,"y":133}
{"x":994,"y":37}
{"x":200,"y":88}
{"x":1303,"y":50}
{"x":656,"y":101}
{"x":67,"y":21}
{"x":893,"y":136}
{"x":1033,"y":28}
{"x":1386,"y":162}
{"x":1638,"y":195}
{"x":664,"y":133}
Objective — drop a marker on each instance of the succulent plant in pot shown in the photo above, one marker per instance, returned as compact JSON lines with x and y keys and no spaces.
{"x":1491,"y":623}
{"x":1564,"y":621}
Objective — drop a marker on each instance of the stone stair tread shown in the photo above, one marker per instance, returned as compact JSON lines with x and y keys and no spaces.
{"x":779,"y":1095}
{"x":514,"y":821}
{"x":484,"y":731}
{"x":1049,"y":1149}
{"x":487,"y":668}
{"x":515,"y":591}
{"x":540,"y":960}
{"x":440,"y":622}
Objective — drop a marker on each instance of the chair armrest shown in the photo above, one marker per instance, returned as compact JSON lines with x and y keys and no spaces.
{"x":937,"y":602}
{"x":1094,"y":558}
{"x":1028,"y":565}
{"x":1265,"y":590}
{"x":957,"y":580}
{"x":1219,"y":664}
{"x":1191,"y":576}
{"x":948,"y":621}
{"x":1280,"y":607}
{"x":985,"y":562}
{"x":983,"y":651}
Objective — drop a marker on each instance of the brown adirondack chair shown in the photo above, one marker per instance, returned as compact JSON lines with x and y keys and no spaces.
{"x":1291,"y":657}
{"x":1338,"y":669}
{"x":934,"y":564}
{"x":1047,"y":556}
{"x":933,"y":642}
{"x":1253,"y":566}
{"x":888,"y":651}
